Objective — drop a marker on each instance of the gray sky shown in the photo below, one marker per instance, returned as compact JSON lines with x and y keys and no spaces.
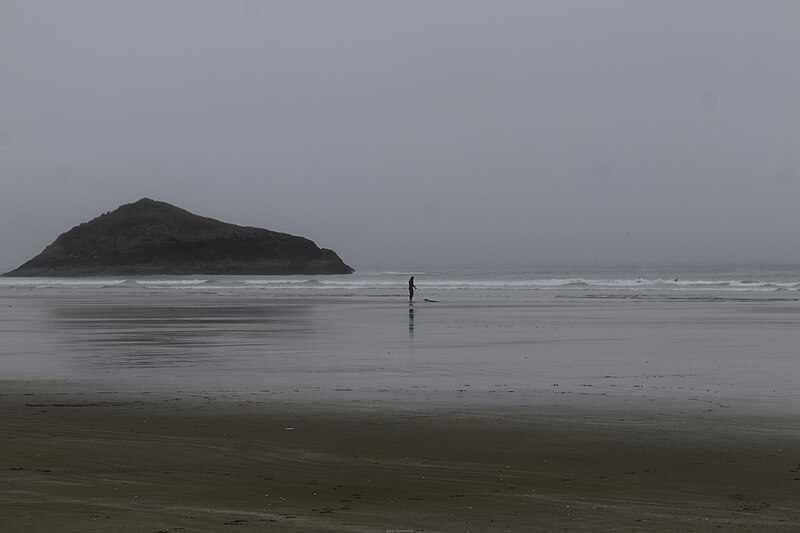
{"x":412,"y":134}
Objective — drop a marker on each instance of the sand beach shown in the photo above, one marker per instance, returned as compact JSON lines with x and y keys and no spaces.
{"x":81,"y":459}
{"x":206,"y":411}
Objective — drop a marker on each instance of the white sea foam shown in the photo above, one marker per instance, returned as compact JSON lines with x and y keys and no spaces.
{"x":44,"y":283}
{"x":470,"y":284}
{"x":172,"y":282}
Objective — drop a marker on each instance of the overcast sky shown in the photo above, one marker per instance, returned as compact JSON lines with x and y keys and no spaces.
{"x":411,"y":134}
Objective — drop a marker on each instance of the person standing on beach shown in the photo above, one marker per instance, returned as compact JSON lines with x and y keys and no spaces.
{"x":411,"y":288}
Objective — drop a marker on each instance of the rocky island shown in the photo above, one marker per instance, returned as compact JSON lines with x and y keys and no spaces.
{"x":149,"y":237}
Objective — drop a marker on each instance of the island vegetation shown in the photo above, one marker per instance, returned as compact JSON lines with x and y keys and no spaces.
{"x":150,"y":237}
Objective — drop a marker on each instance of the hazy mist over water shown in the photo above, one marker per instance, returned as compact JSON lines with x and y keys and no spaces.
{"x":413,"y":134}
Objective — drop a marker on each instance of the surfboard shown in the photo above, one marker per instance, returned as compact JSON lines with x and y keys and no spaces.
{"x":429,"y":300}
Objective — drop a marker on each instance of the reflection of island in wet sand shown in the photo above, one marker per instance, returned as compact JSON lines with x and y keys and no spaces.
{"x":204,"y":412}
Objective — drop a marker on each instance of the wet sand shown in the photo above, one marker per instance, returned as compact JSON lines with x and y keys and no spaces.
{"x":204,"y":412}
{"x":78,"y":457}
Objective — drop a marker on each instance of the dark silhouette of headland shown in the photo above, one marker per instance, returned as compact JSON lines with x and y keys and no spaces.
{"x":155,"y":238}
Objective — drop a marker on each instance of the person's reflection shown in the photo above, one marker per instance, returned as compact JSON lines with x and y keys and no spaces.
{"x":411,"y":320}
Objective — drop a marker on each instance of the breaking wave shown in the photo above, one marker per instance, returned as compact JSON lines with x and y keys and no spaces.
{"x":393,"y":283}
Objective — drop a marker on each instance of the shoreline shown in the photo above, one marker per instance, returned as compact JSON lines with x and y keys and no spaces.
{"x":173,"y":411}
{"x":83,"y":457}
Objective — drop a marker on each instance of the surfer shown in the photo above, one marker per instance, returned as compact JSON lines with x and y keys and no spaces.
{"x":411,"y":288}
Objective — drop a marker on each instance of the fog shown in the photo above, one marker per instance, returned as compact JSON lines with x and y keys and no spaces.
{"x":413,"y":134}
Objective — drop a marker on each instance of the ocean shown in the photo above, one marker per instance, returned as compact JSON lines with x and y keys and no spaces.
{"x":502,"y":284}
{"x":709,"y":334}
